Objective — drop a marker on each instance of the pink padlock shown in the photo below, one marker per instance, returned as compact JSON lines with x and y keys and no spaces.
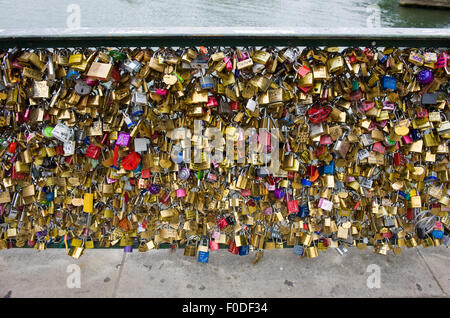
{"x":388,"y":105}
{"x":378,"y":147}
{"x":325,"y":140}
{"x":161,"y":91}
{"x":110,"y":180}
{"x":246,"y":193}
{"x":268,"y":211}
{"x":270,"y":187}
{"x":325,"y":204}
{"x":228,"y":64}
{"x":382,"y":123}
{"x":407,"y":140}
{"x":26,"y":115}
{"x":91,"y":81}
{"x":243,"y":56}
{"x":441,"y":61}
{"x":214,"y":245}
{"x":372,"y":126}
{"x":181,"y":193}
{"x":365,"y":105}
{"x":15,"y":64}
{"x":215,"y":235}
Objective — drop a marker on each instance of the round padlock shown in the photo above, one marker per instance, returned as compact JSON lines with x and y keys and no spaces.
{"x":82,"y":88}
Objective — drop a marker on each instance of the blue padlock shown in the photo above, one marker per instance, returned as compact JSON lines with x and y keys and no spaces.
{"x":416,"y":134}
{"x":87,"y":141}
{"x":329,"y":168}
{"x":389,"y":83}
{"x":438,"y":234}
{"x":298,"y":250}
{"x":303,"y":211}
{"x":49,"y":196}
{"x":179,"y":158}
{"x":244,"y":250}
{"x":306,"y":183}
{"x":203,"y":251}
{"x":321,"y":170}
{"x":402,"y":194}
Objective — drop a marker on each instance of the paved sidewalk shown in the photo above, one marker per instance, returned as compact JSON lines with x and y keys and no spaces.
{"x":417,"y":272}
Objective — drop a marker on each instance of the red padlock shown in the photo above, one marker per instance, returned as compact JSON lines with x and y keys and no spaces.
{"x":399,"y":159}
{"x":320,"y":151}
{"x":423,"y":113}
{"x":221,"y":223}
{"x":234,"y":105}
{"x":68,"y":160}
{"x":115,"y":74}
{"x":93,"y":151}
{"x":145,"y":173}
{"x":212,"y":102}
{"x":310,"y":170}
{"x":318,"y":114}
{"x":164,"y":197}
{"x":292,"y":206}
{"x":232,"y":248}
{"x":131,"y":162}
{"x":356,"y":95}
{"x":17,"y":175}
{"x":214,"y":246}
{"x":325,"y":140}
{"x":12,"y":147}
{"x":410,"y":214}
{"x":60,"y":150}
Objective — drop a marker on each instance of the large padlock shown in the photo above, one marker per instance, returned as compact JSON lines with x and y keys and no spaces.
{"x":203,"y":250}
{"x":190,"y":249}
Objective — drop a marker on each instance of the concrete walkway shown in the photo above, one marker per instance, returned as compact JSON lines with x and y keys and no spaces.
{"x":417,"y":272}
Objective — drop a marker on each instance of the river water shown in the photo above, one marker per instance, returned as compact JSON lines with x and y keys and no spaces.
{"x":216,"y":13}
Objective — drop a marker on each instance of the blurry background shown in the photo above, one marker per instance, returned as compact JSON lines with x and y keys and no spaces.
{"x":214,"y":13}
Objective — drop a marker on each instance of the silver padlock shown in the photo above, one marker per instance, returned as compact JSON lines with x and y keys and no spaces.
{"x":341,"y":249}
{"x":140,"y":144}
{"x":342,"y":145}
{"x":132,"y":66}
{"x":316,"y":130}
{"x":140,"y":98}
{"x":363,"y":154}
{"x":366,"y":140}
{"x":206,"y":82}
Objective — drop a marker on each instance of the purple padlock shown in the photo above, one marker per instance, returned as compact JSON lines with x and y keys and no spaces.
{"x":123,"y":139}
{"x":184,"y":173}
{"x":425,"y":77}
{"x":128,"y":249}
{"x":154,"y":188}
{"x":278,"y":193}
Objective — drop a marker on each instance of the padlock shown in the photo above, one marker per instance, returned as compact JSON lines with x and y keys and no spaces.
{"x":232,"y":248}
{"x":190,"y":249}
{"x":203,"y":250}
